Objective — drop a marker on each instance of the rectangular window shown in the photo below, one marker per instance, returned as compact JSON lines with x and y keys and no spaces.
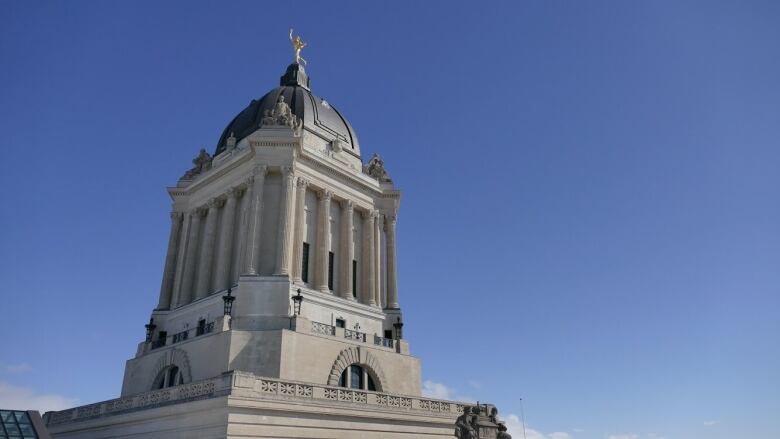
{"x":330,"y":271}
{"x":201,"y":329}
{"x":354,"y":278}
{"x":388,"y":333}
{"x":305,"y":263}
{"x":341,"y":323}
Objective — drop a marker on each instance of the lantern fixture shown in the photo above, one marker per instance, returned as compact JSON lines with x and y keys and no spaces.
{"x":150,"y":327}
{"x":297,"y":301}
{"x":399,"y":326}
{"x":228,"y":299}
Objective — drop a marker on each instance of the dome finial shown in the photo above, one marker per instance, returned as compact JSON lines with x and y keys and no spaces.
{"x":298,"y":44}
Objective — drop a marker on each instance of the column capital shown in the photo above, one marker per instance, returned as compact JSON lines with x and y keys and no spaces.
{"x":347,"y":205}
{"x":234,"y":191}
{"x":302,"y":182}
{"x":215,"y":203}
{"x":325,"y":195}
{"x":373,"y":214}
{"x":260,"y":170}
{"x":198,"y":212}
{"x":390,"y":220}
{"x":175,"y":216}
{"x":286,"y":170}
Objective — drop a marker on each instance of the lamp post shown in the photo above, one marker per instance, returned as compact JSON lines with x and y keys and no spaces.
{"x":150,"y":329}
{"x":399,"y":326}
{"x":297,"y":301}
{"x":228,"y":299}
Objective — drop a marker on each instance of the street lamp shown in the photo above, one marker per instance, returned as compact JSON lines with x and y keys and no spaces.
{"x":228,"y":299}
{"x":297,"y":301}
{"x":398,"y":329}
{"x":150,"y":329}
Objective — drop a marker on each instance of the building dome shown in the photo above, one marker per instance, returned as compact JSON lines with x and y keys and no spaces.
{"x":318,"y":115}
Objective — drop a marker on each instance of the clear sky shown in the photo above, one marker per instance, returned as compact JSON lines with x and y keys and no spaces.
{"x":590,"y":216}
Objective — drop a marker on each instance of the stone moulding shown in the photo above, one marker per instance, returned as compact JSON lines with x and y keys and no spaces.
{"x":245,"y":384}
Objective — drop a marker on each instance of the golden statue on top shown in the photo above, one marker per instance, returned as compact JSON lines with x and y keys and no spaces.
{"x":298,"y":44}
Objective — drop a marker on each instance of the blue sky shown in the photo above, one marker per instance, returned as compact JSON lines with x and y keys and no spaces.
{"x":590,"y":216}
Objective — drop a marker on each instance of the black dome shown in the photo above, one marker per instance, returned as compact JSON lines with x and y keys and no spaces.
{"x":318,"y":115}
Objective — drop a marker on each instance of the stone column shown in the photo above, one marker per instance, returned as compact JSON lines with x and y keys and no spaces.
{"x":283,"y":240}
{"x":225,"y":250}
{"x":188,"y":278}
{"x":323,"y":241}
{"x":207,"y":250}
{"x":368,"y":259}
{"x":255,"y":221}
{"x":347,"y":248}
{"x":392,"y":273}
{"x":378,"y":260}
{"x":169,"y":272}
{"x":300,"y":230}
{"x":239,"y":237}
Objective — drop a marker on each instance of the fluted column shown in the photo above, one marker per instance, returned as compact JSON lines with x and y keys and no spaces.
{"x":347,"y":249}
{"x":252,"y":260}
{"x":207,"y":250}
{"x":378,"y":260}
{"x":283,"y":240}
{"x":188,"y":278}
{"x":323,"y":241}
{"x":368,"y":258}
{"x":169,"y":272}
{"x":392,"y":271}
{"x":300,"y":225}
{"x":224,"y":254}
{"x":239,"y":236}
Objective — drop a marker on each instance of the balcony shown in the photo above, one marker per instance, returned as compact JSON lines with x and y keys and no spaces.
{"x":182,"y":336}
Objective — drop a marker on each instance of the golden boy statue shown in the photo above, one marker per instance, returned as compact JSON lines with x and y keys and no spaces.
{"x":298,"y":44}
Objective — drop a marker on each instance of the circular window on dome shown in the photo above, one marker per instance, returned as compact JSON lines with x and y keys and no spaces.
{"x":357,"y":377}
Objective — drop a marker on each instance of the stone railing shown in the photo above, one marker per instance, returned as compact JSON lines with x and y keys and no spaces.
{"x":265,"y":387}
{"x":172,"y":395}
{"x":246,"y":384}
{"x":322,"y":328}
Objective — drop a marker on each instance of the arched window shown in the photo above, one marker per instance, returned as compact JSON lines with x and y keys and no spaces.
{"x":168,"y":377}
{"x":357,"y":377}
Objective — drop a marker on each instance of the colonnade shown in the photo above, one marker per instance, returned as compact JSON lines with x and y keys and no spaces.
{"x":196,"y":266}
{"x":369,"y":289}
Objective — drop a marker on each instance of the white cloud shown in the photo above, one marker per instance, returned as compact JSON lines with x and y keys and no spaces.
{"x":436,"y":390}
{"x":432,"y":389}
{"x":23,"y":398}
{"x":515,"y":427}
{"x":14,"y":367}
{"x":711,"y":423}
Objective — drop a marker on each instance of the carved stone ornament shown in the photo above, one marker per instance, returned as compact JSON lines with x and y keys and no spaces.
{"x":281,"y":115}
{"x":202,"y":164}
{"x":230,"y":144}
{"x":376,"y":168}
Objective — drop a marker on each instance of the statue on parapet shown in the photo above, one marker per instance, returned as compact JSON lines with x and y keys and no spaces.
{"x":465,"y":425}
{"x":202,"y":163}
{"x":281,"y":115}
{"x":376,"y":168}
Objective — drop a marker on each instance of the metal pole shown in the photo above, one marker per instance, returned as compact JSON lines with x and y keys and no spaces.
{"x":522,"y":415}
